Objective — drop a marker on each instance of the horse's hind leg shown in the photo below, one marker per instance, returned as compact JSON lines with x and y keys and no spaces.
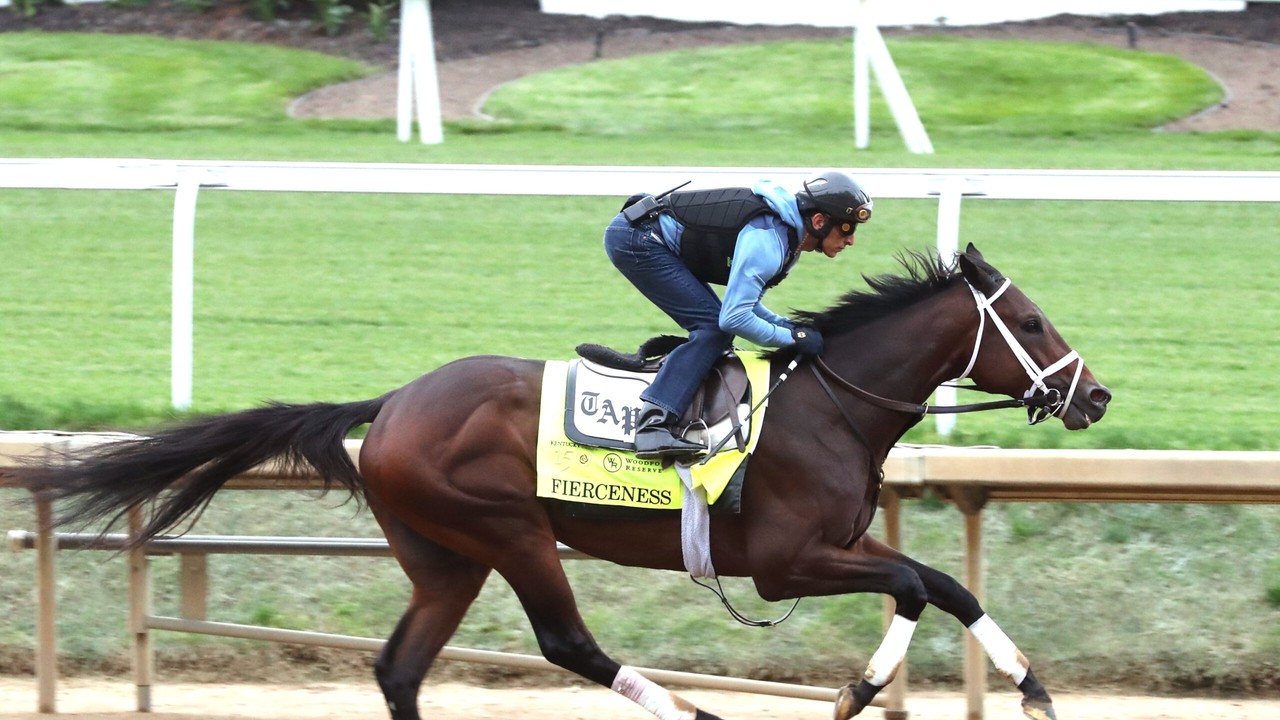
{"x":947,"y":594}
{"x":539,"y":582}
{"x":444,"y":586}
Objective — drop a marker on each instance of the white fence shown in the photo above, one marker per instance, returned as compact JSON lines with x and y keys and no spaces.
{"x":187,"y":178}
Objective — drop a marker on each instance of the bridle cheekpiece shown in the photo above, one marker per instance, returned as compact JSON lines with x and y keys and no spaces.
{"x":1055,"y":404}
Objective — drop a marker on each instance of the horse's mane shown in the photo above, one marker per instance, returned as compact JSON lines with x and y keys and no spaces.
{"x":927,"y":275}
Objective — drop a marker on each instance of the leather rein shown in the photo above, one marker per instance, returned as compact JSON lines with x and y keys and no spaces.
{"x":1049,"y":399}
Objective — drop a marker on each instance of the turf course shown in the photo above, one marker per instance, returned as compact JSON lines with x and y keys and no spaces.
{"x":317,"y":297}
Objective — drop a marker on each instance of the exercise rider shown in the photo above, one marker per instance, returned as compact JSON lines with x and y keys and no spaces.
{"x":673,"y":247}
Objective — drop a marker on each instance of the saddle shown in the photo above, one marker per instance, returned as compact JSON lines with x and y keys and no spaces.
{"x":723,"y":391}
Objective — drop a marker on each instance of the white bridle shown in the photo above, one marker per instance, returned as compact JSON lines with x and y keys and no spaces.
{"x":1055,"y":408}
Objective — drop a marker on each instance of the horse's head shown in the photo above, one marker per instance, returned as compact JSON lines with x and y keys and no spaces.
{"x":1019,"y":353}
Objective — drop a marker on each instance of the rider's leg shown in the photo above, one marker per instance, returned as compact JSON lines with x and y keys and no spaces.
{"x":662,"y":277}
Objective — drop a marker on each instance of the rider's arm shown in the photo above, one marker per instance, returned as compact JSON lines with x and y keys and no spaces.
{"x":771,"y":317}
{"x":759,"y":255}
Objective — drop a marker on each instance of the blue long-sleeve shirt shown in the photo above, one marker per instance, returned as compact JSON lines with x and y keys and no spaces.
{"x":760,"y":254}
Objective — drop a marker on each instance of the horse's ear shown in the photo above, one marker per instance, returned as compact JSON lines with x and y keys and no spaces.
{"x":976,"y":270}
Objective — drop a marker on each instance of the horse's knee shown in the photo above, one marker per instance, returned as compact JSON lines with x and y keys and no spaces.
{"x":908,"y":593}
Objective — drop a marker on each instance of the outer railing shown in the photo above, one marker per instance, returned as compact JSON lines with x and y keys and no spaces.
{"x":969,"y":477}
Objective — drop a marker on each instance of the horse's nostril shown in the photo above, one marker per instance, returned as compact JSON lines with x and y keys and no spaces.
{"x":1100,"y":396}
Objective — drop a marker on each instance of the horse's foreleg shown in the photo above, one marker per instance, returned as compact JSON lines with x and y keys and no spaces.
{"x":881,"y":669}
{"x":1011,"y":663}
{"x":947,"y":594}
{"x":538,"y":580}
{"x":832,"y":570}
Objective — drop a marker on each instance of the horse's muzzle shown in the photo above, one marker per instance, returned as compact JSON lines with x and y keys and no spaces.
{"x":1088,"y":406}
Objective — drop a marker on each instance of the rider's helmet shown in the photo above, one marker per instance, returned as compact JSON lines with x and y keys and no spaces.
{"x":837,"y":195}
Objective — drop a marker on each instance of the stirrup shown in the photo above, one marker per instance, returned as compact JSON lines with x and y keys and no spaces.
{"x":665,"y":445}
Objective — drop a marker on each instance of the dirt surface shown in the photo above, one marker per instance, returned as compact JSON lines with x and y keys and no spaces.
{"x":483,"y":43}
{"x":114,"y":700}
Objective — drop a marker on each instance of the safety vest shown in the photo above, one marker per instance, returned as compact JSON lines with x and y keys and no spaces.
{"x":712,"y":220}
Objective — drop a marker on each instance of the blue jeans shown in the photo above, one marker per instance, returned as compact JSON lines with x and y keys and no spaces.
{"x":662,"y":277}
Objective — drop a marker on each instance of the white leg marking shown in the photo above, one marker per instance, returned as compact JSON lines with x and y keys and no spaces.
{"x":892,"y":651}
{"x":651,"y":696}
{"x":1004,"y":654}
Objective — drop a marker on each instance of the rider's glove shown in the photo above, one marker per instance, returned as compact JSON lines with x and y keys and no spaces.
{"x":807,"y":340}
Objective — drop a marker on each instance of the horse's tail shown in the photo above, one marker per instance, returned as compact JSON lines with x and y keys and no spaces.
{"x":195,"y":459}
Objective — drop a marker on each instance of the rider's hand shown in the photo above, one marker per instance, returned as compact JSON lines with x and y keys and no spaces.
{"x":807,"y":341}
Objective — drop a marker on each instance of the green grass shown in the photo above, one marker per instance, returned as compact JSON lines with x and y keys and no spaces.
{"x":335,"y":297}
{"x":70,"y":82}
{"x":777,"y":90}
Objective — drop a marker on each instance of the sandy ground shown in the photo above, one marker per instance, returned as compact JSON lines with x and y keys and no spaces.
{"x":114,"y":700}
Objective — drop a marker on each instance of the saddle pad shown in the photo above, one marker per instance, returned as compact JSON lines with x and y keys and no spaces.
{"x":577,"y":472}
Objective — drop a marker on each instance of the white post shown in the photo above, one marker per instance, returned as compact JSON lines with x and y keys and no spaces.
{"x":948,"y":245}
{"x":184,"y":241}
{"x":404,"y":78}
{"x":895,"y":91}
{"x":418,"y":84}
{"x":861,"y":82}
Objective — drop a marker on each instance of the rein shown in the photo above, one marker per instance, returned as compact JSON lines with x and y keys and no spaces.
{"x":1049,"y":399}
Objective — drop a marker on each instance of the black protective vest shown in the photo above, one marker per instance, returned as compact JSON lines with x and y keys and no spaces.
{"x":712,"y":220}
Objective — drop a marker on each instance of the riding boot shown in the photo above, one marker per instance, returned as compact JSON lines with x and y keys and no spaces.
{"x":656,"y":437}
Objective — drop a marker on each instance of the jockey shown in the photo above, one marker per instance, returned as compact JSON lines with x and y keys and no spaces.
{"x":674,"y":246}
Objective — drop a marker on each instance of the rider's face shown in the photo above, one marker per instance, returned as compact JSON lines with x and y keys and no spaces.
{"x":840,"y":237}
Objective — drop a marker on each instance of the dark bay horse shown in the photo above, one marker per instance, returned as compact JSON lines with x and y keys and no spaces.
{"x":448,"y":470}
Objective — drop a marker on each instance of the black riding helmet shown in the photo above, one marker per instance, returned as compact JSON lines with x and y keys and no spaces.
{"x":837,"y":195}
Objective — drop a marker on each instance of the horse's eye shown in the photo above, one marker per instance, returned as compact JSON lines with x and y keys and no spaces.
{"x":1032,"y":325}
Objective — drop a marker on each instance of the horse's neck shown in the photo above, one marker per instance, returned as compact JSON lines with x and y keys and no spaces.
{"x":906,"y":355}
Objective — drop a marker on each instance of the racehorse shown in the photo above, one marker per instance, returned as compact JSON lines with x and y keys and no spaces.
{"x":448,"y":470}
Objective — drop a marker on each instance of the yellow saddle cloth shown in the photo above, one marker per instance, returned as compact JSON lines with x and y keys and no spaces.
{"x":574,"y":472}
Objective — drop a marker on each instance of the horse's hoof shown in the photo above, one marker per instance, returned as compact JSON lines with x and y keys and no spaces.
{"x":847,"y":704}
{"x":1038,"y":709}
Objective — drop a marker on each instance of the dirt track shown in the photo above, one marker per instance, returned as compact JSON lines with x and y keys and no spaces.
{"x":113,"y":700}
